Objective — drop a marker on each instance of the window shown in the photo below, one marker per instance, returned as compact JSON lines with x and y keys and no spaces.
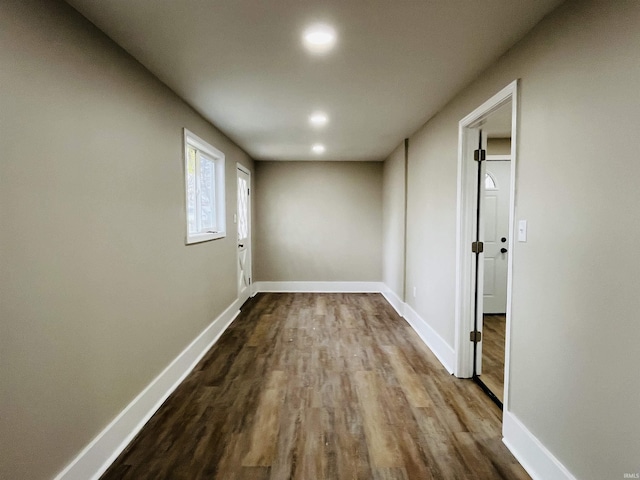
{"x":489,"y":182}
{"x":243,"y":209}
{"x":204,"y":189}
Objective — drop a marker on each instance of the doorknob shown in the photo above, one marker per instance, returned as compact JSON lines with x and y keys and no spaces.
{"x":503,"y":250}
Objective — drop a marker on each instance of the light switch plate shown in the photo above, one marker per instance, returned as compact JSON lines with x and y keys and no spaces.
{"x":522,"y":231}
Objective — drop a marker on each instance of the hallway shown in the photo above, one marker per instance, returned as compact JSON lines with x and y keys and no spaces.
{"x":310,"y":386}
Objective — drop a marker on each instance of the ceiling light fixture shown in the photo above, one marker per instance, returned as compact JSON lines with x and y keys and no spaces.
{"x":319,"y":38}
{"x":318,"y":119}
{"x":318,"y":148}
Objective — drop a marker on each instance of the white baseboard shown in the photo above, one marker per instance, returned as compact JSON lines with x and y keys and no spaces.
{"x":96,"y":457}
{"x":534,"y":457}
{"x":394,"y":300}
{"x":319,"y":287}
{"x":434,"y":341}
{"x":429,"y":336}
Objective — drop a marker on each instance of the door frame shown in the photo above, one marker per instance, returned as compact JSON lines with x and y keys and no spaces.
{"x":246,"y":171}
{"x":466,"y":223}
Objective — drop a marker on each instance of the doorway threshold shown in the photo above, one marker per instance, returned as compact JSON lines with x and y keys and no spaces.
{"x":487,"y":391}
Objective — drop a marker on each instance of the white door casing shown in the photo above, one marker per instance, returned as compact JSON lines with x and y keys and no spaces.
{"x":466,"y":214}
{"x":243,"y":224}
{"x":495,"y":215}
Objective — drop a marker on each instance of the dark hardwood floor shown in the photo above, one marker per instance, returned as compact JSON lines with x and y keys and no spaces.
{"x":320,"y":386}
{"x":494,"y":327}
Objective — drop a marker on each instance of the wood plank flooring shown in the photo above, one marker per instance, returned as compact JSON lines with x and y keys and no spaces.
{"x":493,"y":331}
{"x":320,"y":386}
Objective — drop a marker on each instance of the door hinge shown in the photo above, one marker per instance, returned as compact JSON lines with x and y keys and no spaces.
{"x":249,"y":280}
{"x":477,"y":247}
{"x":479,"y":155}
{"x":475,"y":336}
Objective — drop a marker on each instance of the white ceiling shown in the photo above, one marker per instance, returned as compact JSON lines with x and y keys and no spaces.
{"x":241,"y":63}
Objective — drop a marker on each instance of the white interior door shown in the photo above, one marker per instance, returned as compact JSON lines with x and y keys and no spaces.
{"x":243,"y":221}
{"x":495,"y":214}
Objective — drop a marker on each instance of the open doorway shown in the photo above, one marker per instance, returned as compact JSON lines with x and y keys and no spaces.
{"x":243,"y":222}
{"x":494,"y":215}
{"x":486,"y":187}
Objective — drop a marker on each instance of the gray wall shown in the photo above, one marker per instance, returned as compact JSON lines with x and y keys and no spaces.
{"x":393,"y":221}
{"x":98,"y":291}
{"x":318,"y":221}
{"x":498,"y":146}
{"x":575,"y":332}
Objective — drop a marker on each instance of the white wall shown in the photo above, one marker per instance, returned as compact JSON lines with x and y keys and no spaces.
{"x":98,"y":291}
{"x":318,"y":221}
{"x":393,"y":221}
{"x":575,"y":329}
{"x":431,"y":224}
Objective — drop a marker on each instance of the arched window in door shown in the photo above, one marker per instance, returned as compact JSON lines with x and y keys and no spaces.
{"x":490,"y":182}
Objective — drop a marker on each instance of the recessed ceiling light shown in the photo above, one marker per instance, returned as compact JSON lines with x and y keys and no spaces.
{"x":319,"y":38}
{"x":318,"y":119}
{"x":318,"y":148}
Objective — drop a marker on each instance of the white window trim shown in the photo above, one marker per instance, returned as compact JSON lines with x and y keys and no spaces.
{"x":191,"y":139}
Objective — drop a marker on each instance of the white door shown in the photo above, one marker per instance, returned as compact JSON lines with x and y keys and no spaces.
{"x":496,"y":235}
{"x":243,"y":221}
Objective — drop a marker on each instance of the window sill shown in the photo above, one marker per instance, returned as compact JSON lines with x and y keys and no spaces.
{"x":204,"y":237}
